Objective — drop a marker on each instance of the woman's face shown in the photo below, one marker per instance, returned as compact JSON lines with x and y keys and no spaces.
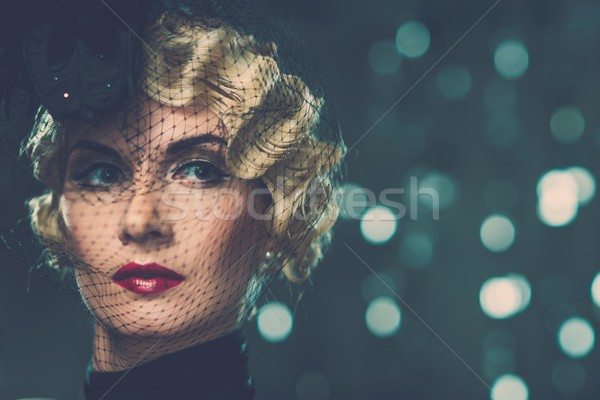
{"x":156,"y":194}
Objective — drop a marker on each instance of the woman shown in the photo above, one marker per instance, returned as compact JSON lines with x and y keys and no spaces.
{"x":188,"y":164}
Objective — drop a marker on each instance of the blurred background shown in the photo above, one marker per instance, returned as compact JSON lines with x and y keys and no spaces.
{"x":466,"y":262}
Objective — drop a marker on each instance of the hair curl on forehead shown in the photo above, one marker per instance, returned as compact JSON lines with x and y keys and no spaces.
{"x":271,"y":118}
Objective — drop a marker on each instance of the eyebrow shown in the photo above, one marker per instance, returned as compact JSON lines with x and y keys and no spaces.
{"x":96,"y":147}
{"x":185,"y":144}
{"x":172,"y":149}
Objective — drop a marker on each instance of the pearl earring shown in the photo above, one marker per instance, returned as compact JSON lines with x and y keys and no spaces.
{"x":269,"y":254}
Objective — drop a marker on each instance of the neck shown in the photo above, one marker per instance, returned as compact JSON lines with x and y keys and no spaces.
{"x":117,"y":352}
{"x":142,"y":368}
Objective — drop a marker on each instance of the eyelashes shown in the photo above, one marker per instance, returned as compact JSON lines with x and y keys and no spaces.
{"x":98,"y":175}
{"x":198,"y":169}
{"x":104,"y":175}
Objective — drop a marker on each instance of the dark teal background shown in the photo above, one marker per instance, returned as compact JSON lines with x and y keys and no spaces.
{"x":45,"y":338}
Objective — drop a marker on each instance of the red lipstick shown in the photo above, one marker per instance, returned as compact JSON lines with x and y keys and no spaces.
{"x":148,"y":278}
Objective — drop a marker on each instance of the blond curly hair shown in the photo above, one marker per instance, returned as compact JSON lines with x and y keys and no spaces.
{"x":272,"y":118}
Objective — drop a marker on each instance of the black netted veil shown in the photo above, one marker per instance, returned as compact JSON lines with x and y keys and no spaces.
{"x":188,"y":155}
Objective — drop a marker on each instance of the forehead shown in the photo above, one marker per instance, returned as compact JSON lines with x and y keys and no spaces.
{"x":150,"y":124}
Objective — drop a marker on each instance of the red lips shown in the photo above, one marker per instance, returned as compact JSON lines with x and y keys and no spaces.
{"x":148,"y":278}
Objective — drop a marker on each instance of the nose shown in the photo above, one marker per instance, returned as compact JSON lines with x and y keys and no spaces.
{"x":141,"y":223}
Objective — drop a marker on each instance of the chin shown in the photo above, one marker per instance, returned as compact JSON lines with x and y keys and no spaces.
{"x":174,"y":313}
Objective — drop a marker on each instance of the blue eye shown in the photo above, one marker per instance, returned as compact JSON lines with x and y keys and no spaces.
{"x":98,"y":175}
{"x":198,"y":170}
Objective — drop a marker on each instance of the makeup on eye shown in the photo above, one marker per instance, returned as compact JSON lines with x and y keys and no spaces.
{"x":200,"y":169}
{"x":103,"y":174}
{"x":98,"y":174}
{"x":94,"y":165}
{"x":196,"y":159}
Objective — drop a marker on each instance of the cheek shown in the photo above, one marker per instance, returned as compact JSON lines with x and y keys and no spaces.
{"x":219,"y":226}
{"x":88,"y":223}
{"x":224,"y":232}
{"x":71,"y":210}
{"x":212,"y":230}
{"x":241,"y":205}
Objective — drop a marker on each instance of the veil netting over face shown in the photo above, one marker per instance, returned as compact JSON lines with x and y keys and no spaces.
{"x":188,"y":156}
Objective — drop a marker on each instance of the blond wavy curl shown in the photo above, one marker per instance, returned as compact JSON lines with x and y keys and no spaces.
{"x":271,"y":117}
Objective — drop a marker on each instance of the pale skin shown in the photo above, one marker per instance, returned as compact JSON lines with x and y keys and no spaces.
{"x":158,"y":191}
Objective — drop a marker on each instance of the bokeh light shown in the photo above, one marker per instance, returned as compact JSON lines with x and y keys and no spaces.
{"x":313,"y":386}
{"x":354,"y":200}
{"x":524,"y":288}
{"x":595,"y":289}
{"x":511,"y":59}
{"x":274,"y":321}
{"x":497,"y":233}
{"x":586,"y":184}
{"x":416,"y":249}
{"x":499,"y":298}
{"x":576,"y":337}
{"x":454,"y":82}
{"x":509,"y":387}
{"x":384,"y":57}
{"x":558,"y":198}
{"x":378,"y":225}
{"x":383,"y":317}
{"x":567,"y":124}
{"x":442,"y":185}
{"x":413,"y":39}
{"x":503,"y":297}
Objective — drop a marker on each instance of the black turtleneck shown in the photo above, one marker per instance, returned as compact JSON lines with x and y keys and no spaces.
{"x":215,"y":370}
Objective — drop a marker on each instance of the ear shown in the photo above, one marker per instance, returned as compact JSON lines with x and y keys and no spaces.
{"x":298,"y":267}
